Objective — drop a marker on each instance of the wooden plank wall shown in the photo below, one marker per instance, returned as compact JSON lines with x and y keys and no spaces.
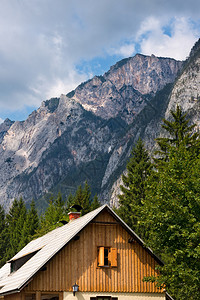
{"x":77,"y":262}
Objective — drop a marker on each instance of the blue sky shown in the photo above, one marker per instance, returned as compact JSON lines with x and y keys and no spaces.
{"x":48,"y":47}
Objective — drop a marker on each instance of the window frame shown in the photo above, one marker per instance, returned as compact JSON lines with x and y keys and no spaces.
{"x":106,"y":259}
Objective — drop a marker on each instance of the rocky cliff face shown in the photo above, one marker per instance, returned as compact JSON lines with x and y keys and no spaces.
{"x":86,"y":135}
{"x":186,"y":91}
{"x":127,"y":87}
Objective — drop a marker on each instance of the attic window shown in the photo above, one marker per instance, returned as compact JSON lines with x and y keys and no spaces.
{"x":17,"y":263}
{"x":107,"y":257}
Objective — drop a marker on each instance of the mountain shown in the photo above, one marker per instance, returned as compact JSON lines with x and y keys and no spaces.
{"x":127,"y":87}
{"x":88,"y":133}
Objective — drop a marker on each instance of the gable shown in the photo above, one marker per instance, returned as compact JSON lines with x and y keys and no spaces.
{"x":70,"y":252}
{"x":78,"y":262}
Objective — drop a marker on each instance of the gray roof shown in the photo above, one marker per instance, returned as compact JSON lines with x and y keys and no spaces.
{"x":48,"y":245}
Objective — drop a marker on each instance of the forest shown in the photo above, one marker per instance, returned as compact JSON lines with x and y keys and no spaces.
{"x":159,"y":200}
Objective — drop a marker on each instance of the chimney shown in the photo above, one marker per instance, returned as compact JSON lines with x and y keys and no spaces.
{"x":74,"y":215}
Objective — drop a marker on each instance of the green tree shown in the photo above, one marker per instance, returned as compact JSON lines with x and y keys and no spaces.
{"x":171,"y":216}
{"x":2,"y":236}
{"x":95,"y":203}
{"x":134,"y":186}
{"x":178,"y":132}
{"x":82,"y":197}
{"x":54,"y":213}
{"x":171,"y":213}
{"x":15,"y":220}
{"x":31,"y":225}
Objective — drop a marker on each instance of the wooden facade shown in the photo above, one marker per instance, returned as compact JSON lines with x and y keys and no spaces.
{"x":77,"y":262}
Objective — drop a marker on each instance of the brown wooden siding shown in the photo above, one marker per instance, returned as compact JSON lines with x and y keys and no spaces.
{"x":17,"y":296}
{"x":77,"y":262}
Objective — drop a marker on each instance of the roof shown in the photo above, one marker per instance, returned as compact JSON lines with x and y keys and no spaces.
{"x":47,"y":246}
{"x":168,"y":297}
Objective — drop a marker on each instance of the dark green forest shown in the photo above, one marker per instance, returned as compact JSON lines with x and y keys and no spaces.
{"x":159,"y":200}
{"x":20,"y":225}
{"x":162,"y":193}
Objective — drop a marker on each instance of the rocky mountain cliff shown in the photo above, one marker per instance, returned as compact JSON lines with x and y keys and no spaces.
{"x":127,"y":87}
{"x":88,"y":134}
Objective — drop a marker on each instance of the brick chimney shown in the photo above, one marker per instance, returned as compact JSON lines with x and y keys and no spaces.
{"x":74,"y":215}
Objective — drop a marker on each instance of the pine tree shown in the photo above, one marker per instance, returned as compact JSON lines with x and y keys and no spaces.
{"x":179,"y":133}
{"x":134,"y":189}
{"x":95,"y":203}
{"x":171,"y":216}
{"x":15,"y":220}
{"x":86,"y":202}
{"x":171,"y":211}
{"x":82,"y":197}
{"x":70,"y":202}
{"x":2,"y":236}
{"x":31,"y":225}
{"x":54,"y":213}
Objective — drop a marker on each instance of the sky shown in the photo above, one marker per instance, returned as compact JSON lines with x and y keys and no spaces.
{"x":48,"y":47}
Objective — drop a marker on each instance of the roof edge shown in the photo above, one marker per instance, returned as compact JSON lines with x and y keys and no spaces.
{"x":135,"y":235}
{"x":101,"y":208}
{"x":10,"y":292}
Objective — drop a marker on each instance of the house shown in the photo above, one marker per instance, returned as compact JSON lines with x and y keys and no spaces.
{"x":97,"y":254}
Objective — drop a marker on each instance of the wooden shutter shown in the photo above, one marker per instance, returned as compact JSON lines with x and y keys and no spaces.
{"x":101,"y":257}
{"x":113,"y":257}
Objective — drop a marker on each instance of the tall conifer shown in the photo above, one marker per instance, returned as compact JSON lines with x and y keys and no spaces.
{"x":15,"y":220}
{"x":3,"y":243}
{"x":134,"y":185}
{"x":171,"y":213}
{"x":178,"y":132}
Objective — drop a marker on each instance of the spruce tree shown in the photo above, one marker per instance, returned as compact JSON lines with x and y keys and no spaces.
{"x":15,"y":220}
{"x":134,"y":185}
{"x":31,"y":225}
{"x":171,"y":216}
{"x":171,"y":211}
{"x":82,"y":197}
{"x":54,"y":213}
{"x":2,"y":236}
{"x":95,"y":203}
{"x":178,"y":132}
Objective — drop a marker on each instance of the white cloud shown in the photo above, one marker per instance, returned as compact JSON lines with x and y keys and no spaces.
{"x":42,"y":42}
{"x":176,"y":45}
{"x":124,"y":51}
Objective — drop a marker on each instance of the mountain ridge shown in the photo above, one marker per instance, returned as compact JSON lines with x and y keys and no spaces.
{"x":87,"y":134}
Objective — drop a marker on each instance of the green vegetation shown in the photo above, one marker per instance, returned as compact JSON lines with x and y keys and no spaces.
{"x":20,"y":225}
{"x":134,"y":188}
{"x":169,"y":218}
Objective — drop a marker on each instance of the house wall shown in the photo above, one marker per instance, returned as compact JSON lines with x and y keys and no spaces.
{"x":77,"y":262}
{"x":16,"y":296}
{"x":120,"y":296}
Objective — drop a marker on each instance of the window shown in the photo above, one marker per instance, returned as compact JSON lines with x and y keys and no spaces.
{"x":17,"y":263}
{"x":107,"y":257}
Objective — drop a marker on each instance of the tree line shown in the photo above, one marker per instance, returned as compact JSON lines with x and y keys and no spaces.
{"x":160,"y":200}
{"x":20,"y":225}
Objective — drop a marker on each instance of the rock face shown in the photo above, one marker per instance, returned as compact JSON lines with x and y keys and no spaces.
{"x":88,"y":134}
{"x":186,"y":91}
{"x":126,"y":88}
